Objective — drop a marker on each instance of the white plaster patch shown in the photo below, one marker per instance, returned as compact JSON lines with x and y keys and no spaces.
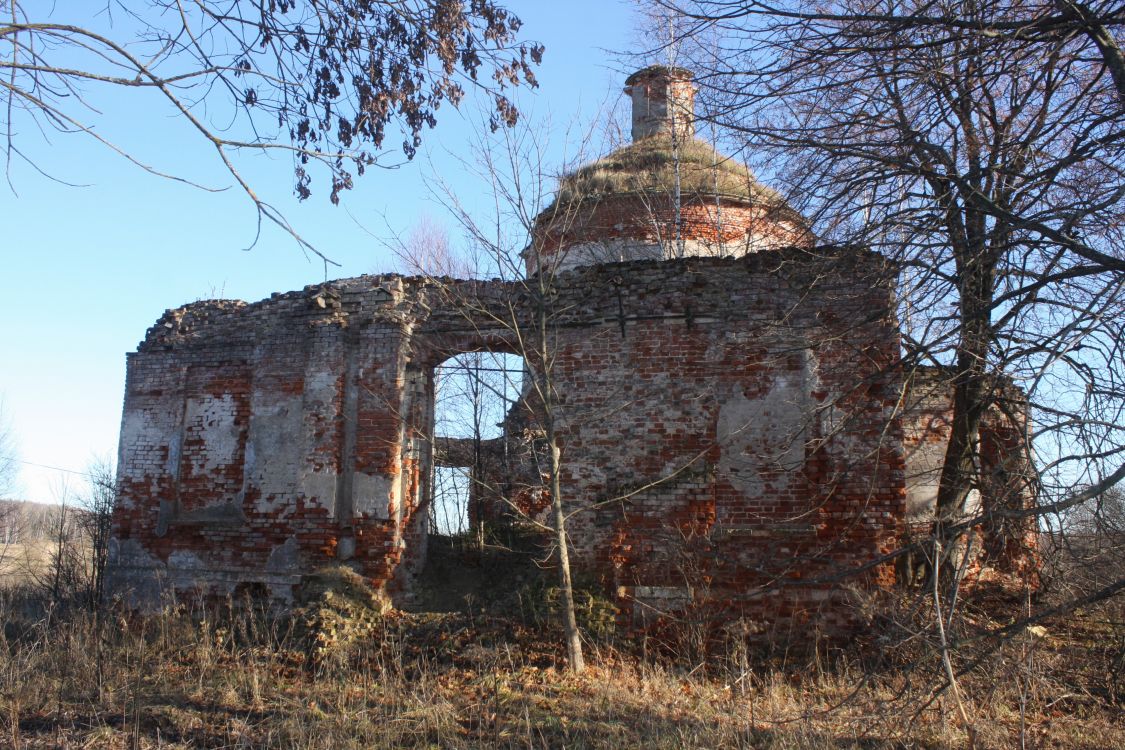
{"x":184,"y":560}
{"x":274,"y":448}
{"x":319,"y":488}
{"x":651,"y":602}
{"x":609,"y":251}
{"x":762,"y":434}
{"x":186,"y":571}
{"x":972,"y":503}
{"x":322,"y":384}
{"x":626,"y":249}
{"x":735,"y":434}
{"x":620,"y":249}
{"x":212,"y":420}
{"x":128,"y":553}
{"x":371,"y":495}
{"x":134,"y":575}
{"x":923,"y":477}
{"x":284,"y":558}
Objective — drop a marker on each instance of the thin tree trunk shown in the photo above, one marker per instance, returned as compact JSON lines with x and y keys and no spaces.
{"x":546,"y":394}
{"x":570,"y":622}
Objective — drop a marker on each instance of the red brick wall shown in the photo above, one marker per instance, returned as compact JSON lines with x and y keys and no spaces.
{"x":725,"y":226}
{"x":728,"y":431}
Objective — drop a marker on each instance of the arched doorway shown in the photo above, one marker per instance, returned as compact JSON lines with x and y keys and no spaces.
{"x":474,"y":393}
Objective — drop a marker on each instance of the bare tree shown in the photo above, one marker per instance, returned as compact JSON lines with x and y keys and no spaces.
{"x":981,"y":146}
{"x":95,"y":522}
{"x":1025,"y":23}
{"x":11,"y":520}
{"x":322,"y":81}
{"x":9,"y":469}
{"x":504,"y":246}
{"x":66,"y":572}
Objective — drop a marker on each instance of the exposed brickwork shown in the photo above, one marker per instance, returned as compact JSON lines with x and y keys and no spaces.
{"x":731,"y":428}
{"x":666,"y":196}
{"x":629,"y":227}
{"x":663,"y":101}
{"x":1004,"y":543}
{"x":743,"y":420}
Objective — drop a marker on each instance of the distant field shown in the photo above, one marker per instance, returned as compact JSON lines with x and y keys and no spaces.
{"x":29,"y":534}
{"x":23,"y":563}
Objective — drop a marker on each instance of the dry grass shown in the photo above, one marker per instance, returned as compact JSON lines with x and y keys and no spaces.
{"x":23,"y":563}
{"x":197,"y":678}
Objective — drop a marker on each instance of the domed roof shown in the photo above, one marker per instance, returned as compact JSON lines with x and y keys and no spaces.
{"x":648,"y":167}
{"x":666,"y":195}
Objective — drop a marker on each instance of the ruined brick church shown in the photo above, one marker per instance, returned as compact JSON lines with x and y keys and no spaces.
{"x":734,"y":426}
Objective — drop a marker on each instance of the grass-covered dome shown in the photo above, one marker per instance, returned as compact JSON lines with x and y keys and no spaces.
{"x":647,"y":167}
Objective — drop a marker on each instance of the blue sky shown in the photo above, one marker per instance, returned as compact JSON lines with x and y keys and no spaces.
{"x":86,"y":270}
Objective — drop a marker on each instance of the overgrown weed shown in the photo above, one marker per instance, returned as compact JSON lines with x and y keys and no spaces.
{"x":238,"y":675}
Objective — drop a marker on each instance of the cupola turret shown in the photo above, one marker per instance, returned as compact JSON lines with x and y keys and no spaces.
{"x":663,"y":102}
{"x":666,"y":195}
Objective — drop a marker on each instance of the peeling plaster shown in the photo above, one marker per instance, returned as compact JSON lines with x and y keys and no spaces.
{"x":709,"y":370}
{"x":284,"y":558}
{"x":762,"y":434}
{"x":318,"y":488}
{"x":372,"y":495}
{"x":213,"y":418}
{"x":274,"y":450}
